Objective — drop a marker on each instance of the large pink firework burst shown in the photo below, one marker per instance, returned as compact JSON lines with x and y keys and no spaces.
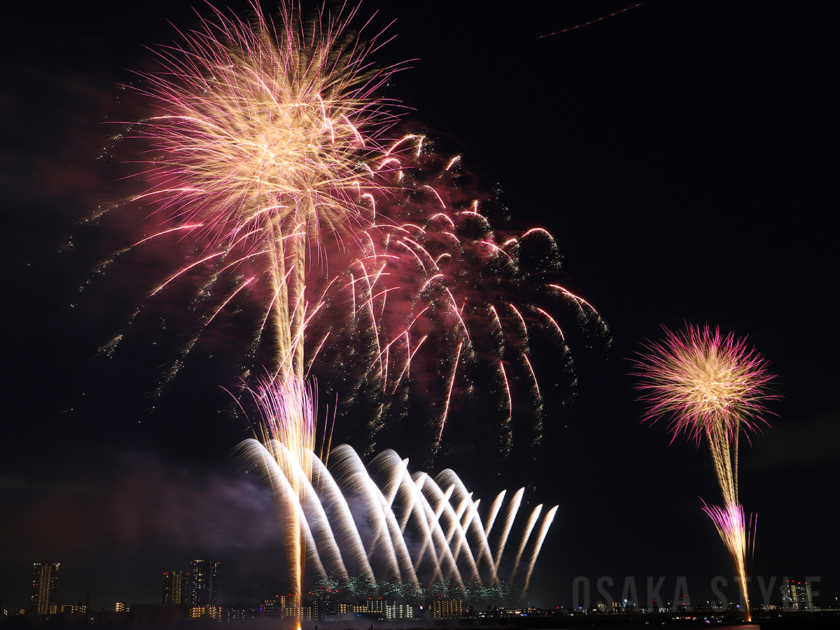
{"x":446,"y":302}
{"x":260,"y":157}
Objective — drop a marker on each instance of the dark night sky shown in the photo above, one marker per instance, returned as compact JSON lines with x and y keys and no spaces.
{"x":684,"y":155}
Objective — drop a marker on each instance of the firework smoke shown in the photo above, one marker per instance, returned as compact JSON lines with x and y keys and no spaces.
{"x":710,"y":386}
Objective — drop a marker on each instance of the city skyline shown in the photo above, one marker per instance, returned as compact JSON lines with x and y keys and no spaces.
{"x":198,"y":589}
{"x":680,"y":155}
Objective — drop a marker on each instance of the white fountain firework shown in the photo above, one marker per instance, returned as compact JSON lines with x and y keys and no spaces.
{"x":383,"y":523}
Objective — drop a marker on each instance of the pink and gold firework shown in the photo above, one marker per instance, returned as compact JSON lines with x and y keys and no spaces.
{"x":710,"y":386}
{"x":443,"y":299}
{"x":262,"y":152}
{"x":270,"y":162}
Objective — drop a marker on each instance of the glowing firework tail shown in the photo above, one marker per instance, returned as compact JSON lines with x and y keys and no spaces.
{"x":439,"y":285}
{"x":270,"y":165}
{"x":710,"y":386}
{"x":264,"y":134}
{"x":288,"y":418}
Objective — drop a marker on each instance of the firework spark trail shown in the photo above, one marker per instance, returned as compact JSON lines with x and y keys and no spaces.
{"x":269,"y":159}
{"x":327,"y":529}
{"x":513,"y":509}
{"x":711,"y":386}
{"x":494,"y":511}
{"x":729,"y":521}
{"x":288,"y":419}
{"x":261,"y":155}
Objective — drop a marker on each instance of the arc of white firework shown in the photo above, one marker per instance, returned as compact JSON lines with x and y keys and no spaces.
{"x":513,"y":509}
{"x":494,"y":511}
{"x":470,"y":514}
{"x":445,"y":511}
{"x":353,"y":473}
{"x":414,"y":508}
{"x":323,"y":538}
{"x":437,"y":537}
{"x":547,"y":521}
{"x":342,"y":518}
{"x":484,"y":552}
{"x":285,"y":494}
{"x":397,"y":541}
{"x":532,"y":520}
{"x":390,"y":461}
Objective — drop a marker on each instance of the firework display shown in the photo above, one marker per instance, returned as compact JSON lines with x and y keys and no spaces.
{"x":361,"y":257}
{"x":711,"y":387}
{"x":279,"y":173}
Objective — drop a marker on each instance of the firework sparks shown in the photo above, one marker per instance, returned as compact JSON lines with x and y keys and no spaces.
{"x":272,"y":167}
{"x":262,"y":149}
{"x":704,"y":382}
{"x":710,"y":386}
{"x":436,"y":273}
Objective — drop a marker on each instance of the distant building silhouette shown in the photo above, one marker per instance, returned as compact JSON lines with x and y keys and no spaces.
{"x":44,"y":585}
{"x":202,"y":583}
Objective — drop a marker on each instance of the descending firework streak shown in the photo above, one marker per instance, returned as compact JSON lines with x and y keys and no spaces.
{"x":712,"y":387}
{"x":438,"y":286}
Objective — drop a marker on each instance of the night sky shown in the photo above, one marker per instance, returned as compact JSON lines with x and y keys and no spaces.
{"x":685,"y":158}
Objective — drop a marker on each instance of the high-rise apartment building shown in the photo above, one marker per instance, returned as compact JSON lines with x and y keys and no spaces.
{"x":797,"y":596}
{"x":202,"y":583}
{"x":44,"y":585}
{"x":175,"y":587}
{"x":443,"y":608}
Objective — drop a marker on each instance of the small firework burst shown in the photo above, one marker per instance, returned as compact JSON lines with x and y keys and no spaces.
{"x":704,"y":381}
